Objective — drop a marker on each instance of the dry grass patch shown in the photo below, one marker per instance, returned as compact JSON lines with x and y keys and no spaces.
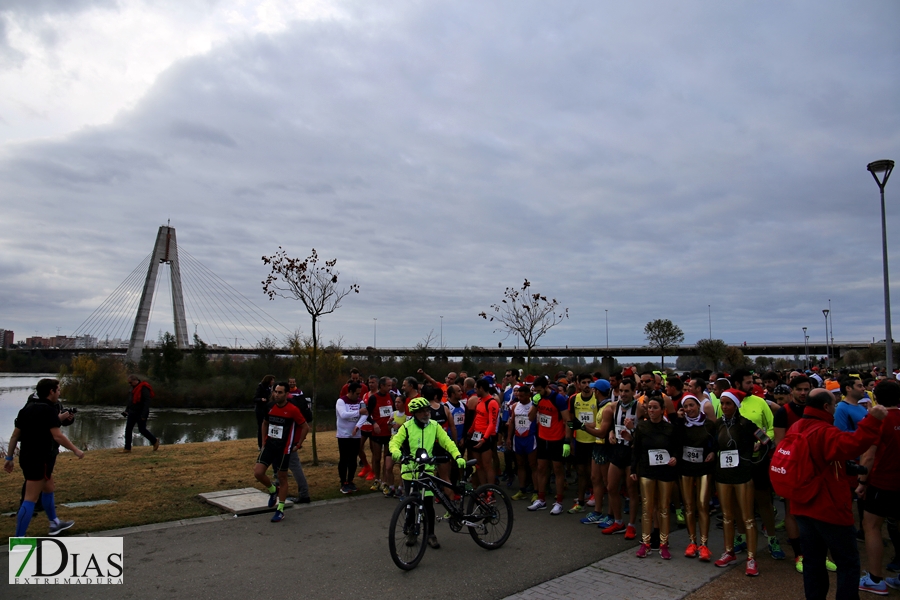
{"x":154,"y":487}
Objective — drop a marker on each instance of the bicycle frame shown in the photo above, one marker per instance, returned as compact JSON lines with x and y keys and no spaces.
{"x":436,"y":485}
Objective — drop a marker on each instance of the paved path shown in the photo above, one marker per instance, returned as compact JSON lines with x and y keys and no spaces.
{"x":338,"y":549}
{"x":650,"y":578}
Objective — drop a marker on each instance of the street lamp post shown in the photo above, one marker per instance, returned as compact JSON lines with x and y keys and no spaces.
{"x":806,"y":347}
{"x":374,"y":332}
{"x":709,"y":312}
{"x":825,"y":312}
{"x":885,"y":166}
{"x":606,"y":310}
{"x":442,"y":332}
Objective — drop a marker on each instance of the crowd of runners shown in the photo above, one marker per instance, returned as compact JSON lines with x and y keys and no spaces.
{"x":636,"y":454}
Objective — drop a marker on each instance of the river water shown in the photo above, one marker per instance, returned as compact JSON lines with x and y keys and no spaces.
{"x":98,"y":427}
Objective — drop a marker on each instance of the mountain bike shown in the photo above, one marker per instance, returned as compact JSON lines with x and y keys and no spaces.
{"x":488,"y":513}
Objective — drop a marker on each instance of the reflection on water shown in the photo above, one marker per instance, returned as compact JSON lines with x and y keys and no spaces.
{"x":104,"y":427}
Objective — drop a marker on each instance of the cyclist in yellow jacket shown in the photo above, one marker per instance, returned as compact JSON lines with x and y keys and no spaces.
{"x":417,"y":433}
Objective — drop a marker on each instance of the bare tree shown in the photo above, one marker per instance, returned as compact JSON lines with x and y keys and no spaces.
{"x":527,"y":314}
{"x":663,"y":335}
{"x":316,"y":286}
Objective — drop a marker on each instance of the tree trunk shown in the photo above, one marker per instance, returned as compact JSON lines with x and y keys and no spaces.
{"x":315,"y":376}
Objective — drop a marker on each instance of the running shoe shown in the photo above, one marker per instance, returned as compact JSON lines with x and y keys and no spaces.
{"x":370,"y":476}
{"x":630,"y":532}
{"x":830,"y":565}
{"x":775,"y":549}
{"x":780,"y":526}
{"x":705,"y":554}
{"x":433,"y":542}
{"x":867,"y":585}
{"x":352,"y":487}
{"x":534,"y":496}
{"x":740,"y":543}
{"x":273,"y":498}
{"x":591,"y":501}
{"x":388,"y":492}
{"x":664,"y":552}
{"x":752,"y":569}
{"x":375,"y":486}
{"x":519,"y":495}
{"x":691,"y":551}
{"x":643,"y":551}
{"x":679,"y":516}
{"x":412,"y":539}
{"x":614,"y":528}
{"x":893,"y":582}
{"x":278,"y":517}
{"x":303,"y":500}
{"x":592,"y":518}
{"x":364,"y":472}
{"x":557,"y":509}
{"x":538,"y":505}
{"x":798,"y":564}
{"x":607,"y":521}
{"x":893,"y":566}
{"x":576,"y":508}
{"x":56,"y":528}
{"x":345,"y":489}
{"x":728,"y":558}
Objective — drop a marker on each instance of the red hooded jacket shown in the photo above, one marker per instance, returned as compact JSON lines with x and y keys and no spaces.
{"x":829,"y":448}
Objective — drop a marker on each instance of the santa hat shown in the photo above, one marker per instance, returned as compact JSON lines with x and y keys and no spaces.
{"x":734,"y":395}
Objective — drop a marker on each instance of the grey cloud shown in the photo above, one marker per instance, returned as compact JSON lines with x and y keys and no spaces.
{"x":646,"y":163}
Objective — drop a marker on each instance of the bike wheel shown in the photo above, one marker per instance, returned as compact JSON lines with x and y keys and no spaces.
{"x":406,"y":536}
{"x":494,"y":508}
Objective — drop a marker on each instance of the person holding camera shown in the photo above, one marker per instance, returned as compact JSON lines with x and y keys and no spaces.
{"x":38,"y":429}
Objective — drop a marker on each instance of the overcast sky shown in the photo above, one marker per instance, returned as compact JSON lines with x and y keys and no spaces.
{"x":645,"y":158}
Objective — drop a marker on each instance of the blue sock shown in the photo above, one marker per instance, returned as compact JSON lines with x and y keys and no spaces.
{"x":49,"y":506}
{"x":23,"y":519}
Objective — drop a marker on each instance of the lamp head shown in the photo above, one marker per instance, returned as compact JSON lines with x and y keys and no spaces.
{"x":881,"y":166}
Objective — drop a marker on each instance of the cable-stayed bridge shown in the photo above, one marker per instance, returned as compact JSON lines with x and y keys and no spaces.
{"x":170,"y":277}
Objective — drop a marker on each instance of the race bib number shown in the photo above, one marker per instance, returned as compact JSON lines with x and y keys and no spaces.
{"x":384,"y":412}
{"x":586,"y":417}
{"x":658,"y":458}
{"x":619,"y":430}
{"x":545,"y":420}
{"x":477,"y":436}
{"x":522,"y":423}
{"x":459,"y":419}
{"x":275,"y":431}
{"x":729,"y":459}
{"x":692,"y":455}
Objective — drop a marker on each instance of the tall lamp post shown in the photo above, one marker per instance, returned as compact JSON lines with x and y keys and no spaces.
{"x":806,"y":346}
{"x":606,"y":310}
{"x":374,"y":332}
{"x":709,"y":312}
{"x":825,"y":312}
{"x":442,"y":332}
{"x":875,"y":168}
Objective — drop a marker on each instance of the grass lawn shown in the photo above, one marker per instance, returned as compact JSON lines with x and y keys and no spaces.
{"x":153,"y":487}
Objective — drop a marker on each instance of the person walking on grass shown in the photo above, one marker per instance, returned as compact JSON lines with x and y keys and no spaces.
{"x":283,"y":431}
{"x":138,"y":411}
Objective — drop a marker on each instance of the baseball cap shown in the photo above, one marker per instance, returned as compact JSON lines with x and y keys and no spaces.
{"x":601,"y":385}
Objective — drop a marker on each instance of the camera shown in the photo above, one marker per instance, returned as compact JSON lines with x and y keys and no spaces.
{"x":854,"y":468}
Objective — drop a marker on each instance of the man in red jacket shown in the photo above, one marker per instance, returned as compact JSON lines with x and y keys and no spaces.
{"x":826,"y":522}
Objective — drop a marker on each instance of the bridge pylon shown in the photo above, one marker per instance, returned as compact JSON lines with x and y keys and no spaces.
{"x":164,"y":251}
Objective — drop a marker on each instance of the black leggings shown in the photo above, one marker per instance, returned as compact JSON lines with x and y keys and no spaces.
{"x":348,"y":448}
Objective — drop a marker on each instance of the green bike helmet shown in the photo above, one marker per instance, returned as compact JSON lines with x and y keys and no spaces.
{"x":417,"y":404}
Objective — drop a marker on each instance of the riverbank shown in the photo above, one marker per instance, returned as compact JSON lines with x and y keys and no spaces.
{"x":154,"y":487}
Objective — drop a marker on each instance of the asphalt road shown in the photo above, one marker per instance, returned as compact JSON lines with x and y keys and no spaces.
{"x":339,"y":550}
